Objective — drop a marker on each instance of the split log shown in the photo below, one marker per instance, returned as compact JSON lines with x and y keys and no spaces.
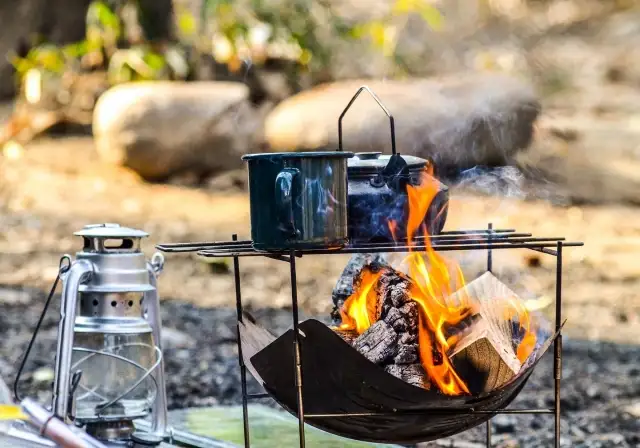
{"x":491,"y":298}
{"x":484,"y":355}
{"x":378,"y":343}
{"x":483,"y":359}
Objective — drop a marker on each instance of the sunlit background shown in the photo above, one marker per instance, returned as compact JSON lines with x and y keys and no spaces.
{"x":138,"y":112}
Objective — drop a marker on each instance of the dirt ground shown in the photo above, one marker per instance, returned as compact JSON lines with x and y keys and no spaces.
{"x":54,"y":187}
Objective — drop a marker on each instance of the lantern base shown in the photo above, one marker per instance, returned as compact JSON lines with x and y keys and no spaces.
{"x":113,"y":432}
{"x":146,"y":439}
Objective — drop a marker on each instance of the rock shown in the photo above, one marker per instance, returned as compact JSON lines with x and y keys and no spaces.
{"x":172,"y":338}
{"x":13,"y":296}
{"x":504,"y":423}
{"x":162,"y":128}
{"x":460,"y":121}
{"x":578,"y":171}
{"x":5,"y":395}
{"x":43,"y":375}
{"x":633,"y":409}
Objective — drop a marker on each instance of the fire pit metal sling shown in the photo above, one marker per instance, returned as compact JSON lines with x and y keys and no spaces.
{"x":351,"y":396}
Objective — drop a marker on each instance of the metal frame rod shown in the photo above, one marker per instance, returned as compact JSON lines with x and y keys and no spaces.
{"x":557,"y":346}
{"x":296,"y":347}
{"x":436,"y":411}
{"x":243,"y":368}
{"x":489,"y":269}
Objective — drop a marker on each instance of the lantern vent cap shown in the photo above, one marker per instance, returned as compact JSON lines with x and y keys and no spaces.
{"x":109,"y":230}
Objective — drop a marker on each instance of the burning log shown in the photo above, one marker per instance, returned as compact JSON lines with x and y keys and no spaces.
{"x":391,"y":340}
{"x":344,"y":286}
{"x":378,"y":343}
{"x":483,"y":359}
{"x":412,"y":374}
{"x":348,"y":336}
{"x":488,"y":351}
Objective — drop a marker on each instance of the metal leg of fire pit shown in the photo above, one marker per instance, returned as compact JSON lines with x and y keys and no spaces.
{"x":489,"y":268}
{"x":243,"y":368}
{"x":296,"y":346}
{"x":557,"y":348}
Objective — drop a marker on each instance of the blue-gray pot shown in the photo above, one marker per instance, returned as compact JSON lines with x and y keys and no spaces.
{"x":298,"y":200}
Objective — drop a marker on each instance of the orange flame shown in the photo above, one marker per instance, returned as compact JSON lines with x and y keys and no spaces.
{"x":434,"y":280}
{"x":359,"y":310}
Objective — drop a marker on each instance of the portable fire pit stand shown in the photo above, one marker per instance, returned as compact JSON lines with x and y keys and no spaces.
{"x":485,"y":239}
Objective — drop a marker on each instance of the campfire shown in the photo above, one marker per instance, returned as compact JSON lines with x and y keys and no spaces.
{"x":424,"y":324}
{"x":416,"y":352}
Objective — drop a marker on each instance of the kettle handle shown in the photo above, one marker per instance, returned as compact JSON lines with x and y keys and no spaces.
{"x":386,"y":111}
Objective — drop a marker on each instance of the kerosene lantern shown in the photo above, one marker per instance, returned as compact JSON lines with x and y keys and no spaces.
{"x":108,"y":370}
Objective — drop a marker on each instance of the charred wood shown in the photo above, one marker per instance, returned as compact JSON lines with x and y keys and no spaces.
{"x":349,"y":336}
{"x":407,"y":354}
{"x":345,"y":285}
{"x":412,"y":374}
{"x":378,"y":343}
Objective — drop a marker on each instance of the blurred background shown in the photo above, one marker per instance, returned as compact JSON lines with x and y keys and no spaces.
{"x":138,"y":111}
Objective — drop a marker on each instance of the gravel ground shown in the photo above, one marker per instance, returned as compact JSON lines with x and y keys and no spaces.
{"x":600,"y":394}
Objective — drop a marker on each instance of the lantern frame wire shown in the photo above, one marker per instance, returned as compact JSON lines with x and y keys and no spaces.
{"x":147,"y":374}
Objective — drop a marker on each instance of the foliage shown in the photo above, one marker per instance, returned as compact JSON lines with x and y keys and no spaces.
{"x":242,"y":29}
{"x":101,"y":49}
{"x":304,"y":27}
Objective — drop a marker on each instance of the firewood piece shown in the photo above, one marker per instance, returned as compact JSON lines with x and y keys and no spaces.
{"x":484,"y":359}
{"x":349,"y":336}
{"x":397,"y":320}
{"x":413,"y":374}
{"x":410,"y":311}
{"x":407,"y":338}
{"x":394,"y":288}
{"x":492,"y":299}
{"x":407,"y":354}
{"x":345,"y":285}
{"x":378,"y":343}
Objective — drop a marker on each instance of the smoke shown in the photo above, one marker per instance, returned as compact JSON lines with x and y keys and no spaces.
{"x":500,"y":192}
{"x":507,"y":182}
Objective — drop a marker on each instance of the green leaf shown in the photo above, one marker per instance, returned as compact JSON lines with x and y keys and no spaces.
{"x":99,"y":14}
{"x":377,"y":31}
{"x":429,"y":13}
{"x":432,"y":16}
{"x":155,"y":61}
{"x":76,"y":50}
{"x":186,"y":23}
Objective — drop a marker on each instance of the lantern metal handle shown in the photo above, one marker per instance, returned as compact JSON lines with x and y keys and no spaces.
{"x":386,"y":111}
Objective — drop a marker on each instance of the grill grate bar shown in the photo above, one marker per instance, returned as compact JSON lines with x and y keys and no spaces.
{"x":442,"y":241}
{"x":545,"y":245}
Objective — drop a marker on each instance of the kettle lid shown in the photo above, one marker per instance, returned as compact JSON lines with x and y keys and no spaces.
{"x":373,"y":162}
